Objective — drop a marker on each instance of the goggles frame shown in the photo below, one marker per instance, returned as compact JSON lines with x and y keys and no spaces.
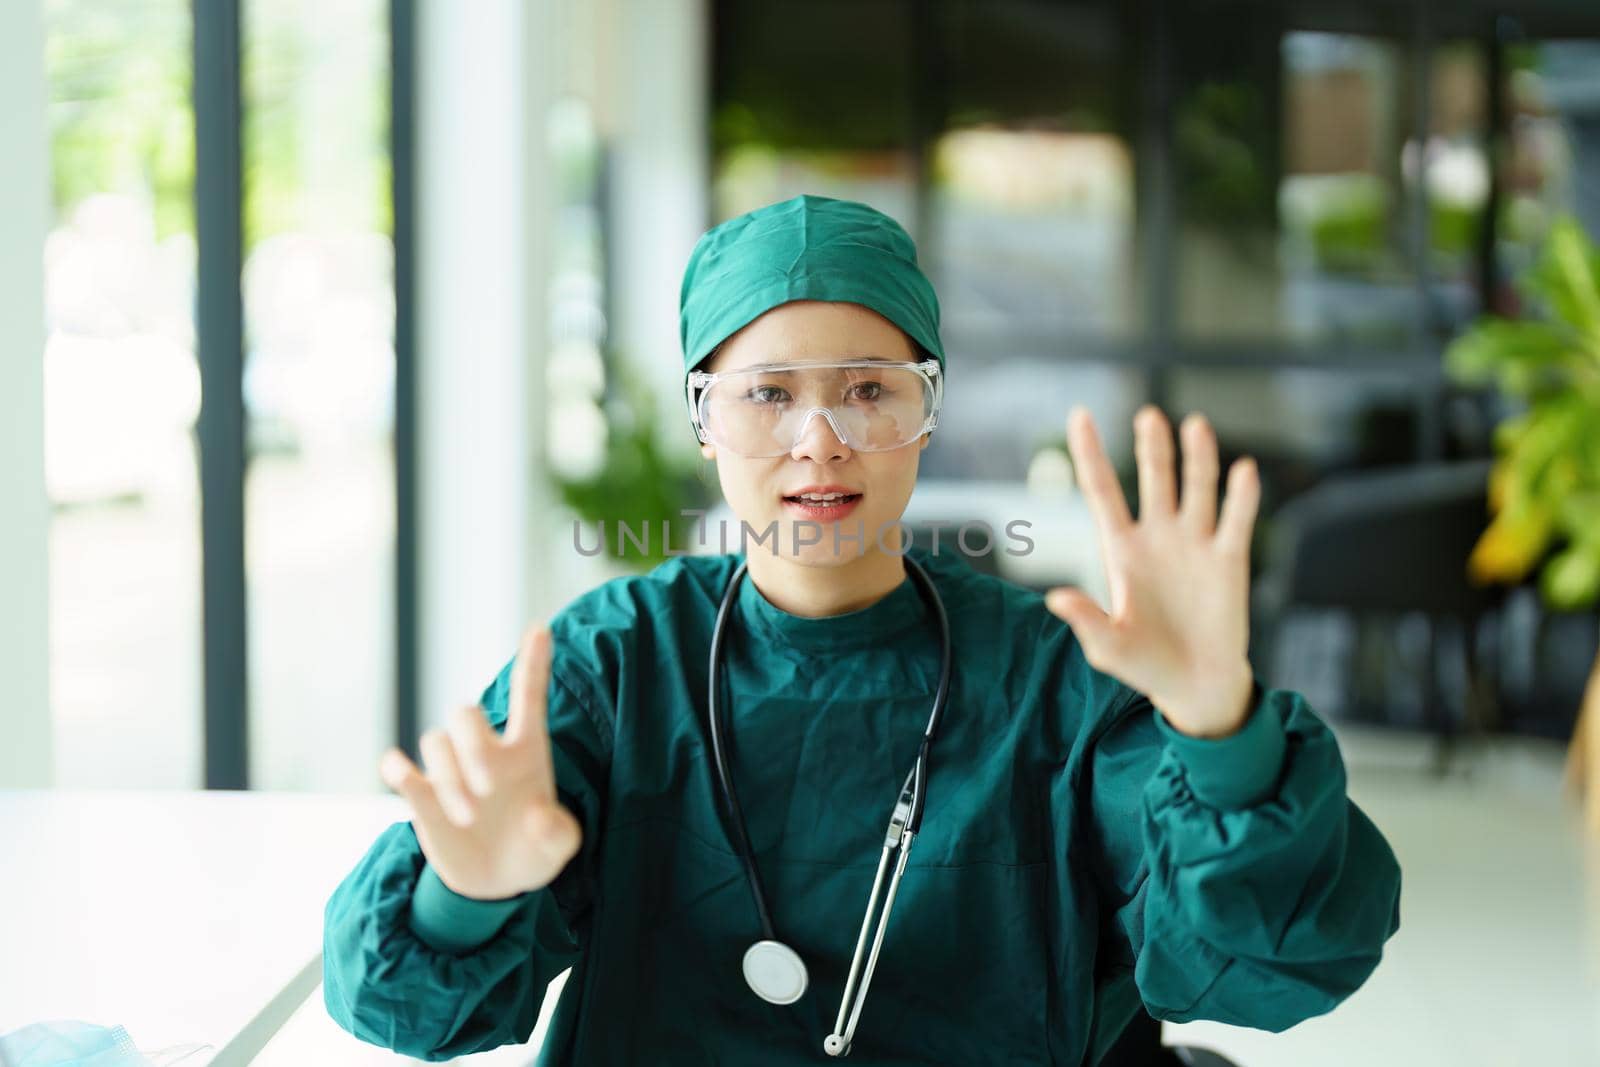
{"x":697,"y":385}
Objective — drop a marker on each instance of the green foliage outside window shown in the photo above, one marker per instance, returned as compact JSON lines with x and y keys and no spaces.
{"x":120,"y":118}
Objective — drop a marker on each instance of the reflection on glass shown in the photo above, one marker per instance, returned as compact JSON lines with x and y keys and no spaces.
{"x":751,"y":175}
{"x":1302,"y":423}
{"x":1036,"y":231}
{"x":318,"y":388}
{"x":1031,"y":179}
{"x":122,"y":393}
{"x":1034,"y":234}
{"x":1551,"y":160}
{"x":1456,"y":159}
{"x":1294,"y":212}
{"x":1004,"y":151}
{"x":1306,"y":230}
{"x":820,"y":104}
{"x":575,"y":374}
{"x":1340,"y":204}
{"x":996,"y":422}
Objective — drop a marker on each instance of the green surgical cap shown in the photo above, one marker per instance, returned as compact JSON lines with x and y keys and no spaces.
{"x":808,"y":248}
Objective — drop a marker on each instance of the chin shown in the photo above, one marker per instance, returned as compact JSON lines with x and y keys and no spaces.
{"x":824,"y":554}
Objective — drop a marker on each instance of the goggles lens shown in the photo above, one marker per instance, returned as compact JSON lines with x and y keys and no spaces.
{"x":872,"y":405}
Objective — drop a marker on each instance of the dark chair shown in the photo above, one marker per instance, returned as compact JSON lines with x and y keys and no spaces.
{"x":1190,"y":1056}
{"x":1140,"y":1046}
{"x":1388,"y":543}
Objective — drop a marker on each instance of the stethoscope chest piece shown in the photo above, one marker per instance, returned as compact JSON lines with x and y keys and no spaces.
{"x":775,"y":972}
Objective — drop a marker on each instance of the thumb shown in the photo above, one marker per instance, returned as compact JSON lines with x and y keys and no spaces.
{"x":1092,"y":626}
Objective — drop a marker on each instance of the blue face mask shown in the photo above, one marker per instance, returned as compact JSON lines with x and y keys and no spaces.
{"x":70,"y":1044}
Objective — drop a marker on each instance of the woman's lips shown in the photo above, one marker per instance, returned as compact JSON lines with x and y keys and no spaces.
{"x":831,"y":512}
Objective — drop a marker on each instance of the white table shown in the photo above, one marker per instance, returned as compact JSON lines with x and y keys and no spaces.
{"x":180,"y":916}
{"x":183,"y":915}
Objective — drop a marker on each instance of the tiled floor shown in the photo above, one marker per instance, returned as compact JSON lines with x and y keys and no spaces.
{"x":1497,"y":961}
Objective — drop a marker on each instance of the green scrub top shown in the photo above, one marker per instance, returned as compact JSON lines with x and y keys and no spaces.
{"x":1078,"y":855}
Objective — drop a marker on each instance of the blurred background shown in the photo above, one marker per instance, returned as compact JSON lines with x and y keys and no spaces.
{"x":325,"y":320}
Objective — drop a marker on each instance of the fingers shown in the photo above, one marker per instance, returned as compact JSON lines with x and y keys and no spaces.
{"x":1239,"y":507}
{"x":1156,"y":460}
{"x":401,"y":775}
{"x":530,"y":683}
{"x":1152,"y":450}
{"x":527,"y":722}
{"x":443,"y":769}
{"x":473,"y":739}
{"x":1198,"y":511}
{"x":1096,"y":479}
{"x":1094,"y":629}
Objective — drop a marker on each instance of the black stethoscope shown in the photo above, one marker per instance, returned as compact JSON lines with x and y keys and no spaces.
{"x":775,"y":971}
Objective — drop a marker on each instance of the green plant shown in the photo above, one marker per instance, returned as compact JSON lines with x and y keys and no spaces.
{"x":642,"y":483}
{"x":1544,"y":487}
{"x":1348,"y":233}
{"x":1221,"y":133}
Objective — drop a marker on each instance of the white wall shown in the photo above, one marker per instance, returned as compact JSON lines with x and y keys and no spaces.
{"x":480,"y":102}
{"x":495,"y":554}
{"x":658,"y":114}
{"x":25,"y":758}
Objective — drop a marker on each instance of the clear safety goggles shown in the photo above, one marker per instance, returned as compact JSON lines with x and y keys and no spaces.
{"x":872,"y":405}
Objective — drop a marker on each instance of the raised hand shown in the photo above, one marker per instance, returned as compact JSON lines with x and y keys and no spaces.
{"x":486,"y":812}
{"x":1179,"y":578}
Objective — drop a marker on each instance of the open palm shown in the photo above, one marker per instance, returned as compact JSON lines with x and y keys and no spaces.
{"x":1179,"y":578}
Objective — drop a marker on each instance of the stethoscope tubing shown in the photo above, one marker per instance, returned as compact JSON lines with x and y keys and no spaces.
{"x":904,"y":822}
{"x":720,"y":758}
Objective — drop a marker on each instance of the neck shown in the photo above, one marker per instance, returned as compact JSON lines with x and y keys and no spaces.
{"x":816,"y":592}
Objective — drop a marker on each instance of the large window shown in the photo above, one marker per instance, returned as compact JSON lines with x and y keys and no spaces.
{"x":318,"y":391}
{"x":1292,"y":208}
{"x":148,"y":690}
{"x":1278,"y":213}
{"x":827,"y":110}
{"x":1030,"y":179}
{"x":1550,"y":138}
{"x":999,"y":135}
{"x":121,"y":396}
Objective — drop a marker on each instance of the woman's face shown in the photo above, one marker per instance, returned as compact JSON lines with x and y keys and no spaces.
{"x":760,"y":491}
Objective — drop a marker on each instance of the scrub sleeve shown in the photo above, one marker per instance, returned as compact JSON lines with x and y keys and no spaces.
{"x":1253,"y":891}
{"x":413,"y":966}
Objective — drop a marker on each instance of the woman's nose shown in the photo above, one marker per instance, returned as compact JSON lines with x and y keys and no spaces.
{"x":819,"y":441}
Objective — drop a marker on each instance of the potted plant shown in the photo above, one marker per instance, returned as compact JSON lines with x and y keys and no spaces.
{"x":643,"y":483}
{"x":1544,"y":485}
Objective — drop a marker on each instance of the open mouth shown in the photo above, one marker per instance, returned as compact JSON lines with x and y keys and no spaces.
{"x":824,"y":500}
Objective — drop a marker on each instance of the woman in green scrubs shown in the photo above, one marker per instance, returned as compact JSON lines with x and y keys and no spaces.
{"x":1118,"y":816}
